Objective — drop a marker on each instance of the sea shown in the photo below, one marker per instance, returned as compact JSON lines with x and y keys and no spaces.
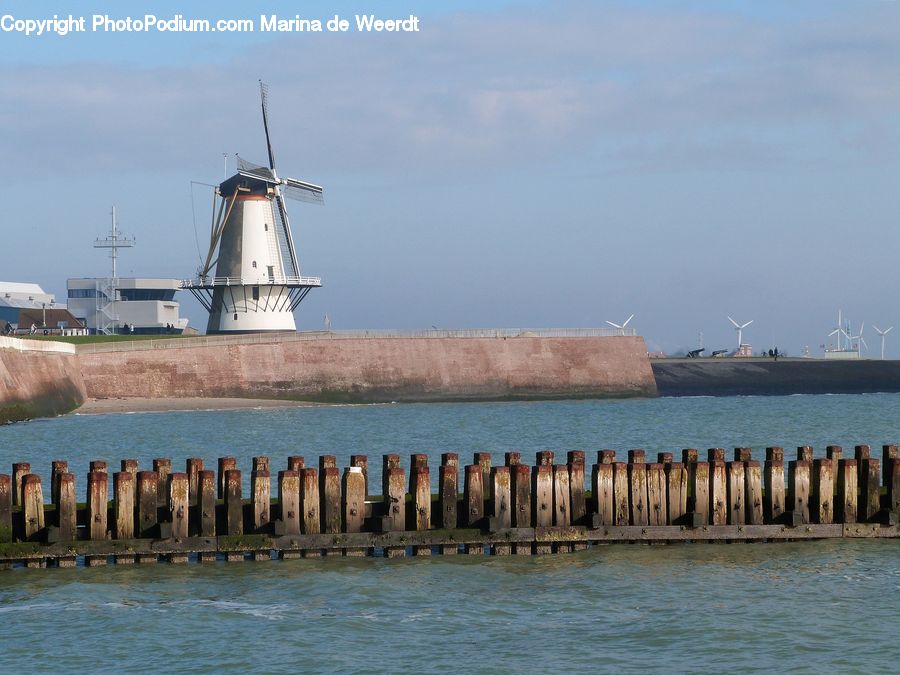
{"x":831,"y":606}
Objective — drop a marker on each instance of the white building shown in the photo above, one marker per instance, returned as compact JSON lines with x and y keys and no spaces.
{"x":127,"y":305}
{"x":17,"y":296}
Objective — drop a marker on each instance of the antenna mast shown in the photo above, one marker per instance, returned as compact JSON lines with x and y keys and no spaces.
{"x":114,"y":242}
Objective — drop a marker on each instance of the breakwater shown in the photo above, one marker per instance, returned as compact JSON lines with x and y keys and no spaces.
{"x":513,"y":508}
{"x":766,"y":377}
{"x":38,"y":379}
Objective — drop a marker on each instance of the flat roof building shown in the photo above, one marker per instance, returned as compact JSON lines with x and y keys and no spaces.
{"x":127,"y":305}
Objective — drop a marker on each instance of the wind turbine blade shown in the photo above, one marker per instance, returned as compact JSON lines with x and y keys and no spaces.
{"x":877,"y":330}
{"x":627,"y":320}
{"x":735,"y":323}
{"x":888,"y":330}
{"x":747,"y":324}
{"x":264,"y":95}
{"x":863,"y":340}
{"x":833,"y":332}
{"x":614,"y":325}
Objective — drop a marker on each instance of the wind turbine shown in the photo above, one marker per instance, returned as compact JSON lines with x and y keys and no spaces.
{"x":882,"y":333}
{"x":859,"y":337}
{"x":621,"y":327}
{"x":839,"y":331}
{"x":739,"y":327}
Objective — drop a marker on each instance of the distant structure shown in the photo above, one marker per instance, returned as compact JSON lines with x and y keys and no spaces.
{"x":742,"y":349}
{"x":115,"y":305}
{"x":257,"y":284}
{"x":882,"y":333}
{"x":26,"y":309}
{"x":15,"y":297}
{"x":842,"y":351}
{"x":621,"y":327}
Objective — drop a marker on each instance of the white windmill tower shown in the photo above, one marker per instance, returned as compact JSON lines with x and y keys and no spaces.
{"x":622,"y":326}
{"x":740,"y":331}
{"x":882,"y":333}
{"x":257,"y":284}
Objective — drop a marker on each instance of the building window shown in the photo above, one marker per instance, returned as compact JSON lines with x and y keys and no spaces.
{"x":266,"y":225}
{"x":256,"y":293}
{"x":235,"y":316}
{"x":254,"y":264}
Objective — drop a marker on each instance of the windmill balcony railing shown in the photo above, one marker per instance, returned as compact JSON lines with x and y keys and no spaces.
{"x":210,"y":282}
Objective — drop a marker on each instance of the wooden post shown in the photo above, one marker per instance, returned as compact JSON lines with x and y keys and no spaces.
{"x":715,"y":455}
{"x":416,"y":460}
{"x":543,"y":458}
{"x":501,"y":518}
{"x":146,"y":503}
{"x":822,"y":499}
{"x":622,"y":503}
{"x":131,"y":466}
{"x":657,"y":513}
{"x":737,"y":514}
{"x":847,"y":492}
{"x":562,"y":508}
{"x":773,"y":497}
{"x":354,"y":499}
{"x":330,"y":494}
{"x":395,"y":499}
{"x":743,"y":454}
{"x":225,"y":464}
{"x":19,"y":471}
{"x":448,"y":493}
{"x":576,"y":487}
{"x":207,"y":503}
{"x":193,"y":467}
{"x":474,"y":495}
{"x":388,"y":462}
{"x":805,"y":453}
{"x":664,"y":457}
{"x":362,"y":462}
{"x":870,"y":489}
{"x":123,"y":494}
{"x":690,"y":456}
{"x":66,"y":507}
{"x":775,"y":453}
{"x":512,"y":458}
{"x":97,"y":503}
{"x":234,"y":503}
{"x":718,"y":490}
{"x":637,"y":456}
{"x":260,"y":496}
{"x":33,"y":507}
{"x":753,"y":493}
{"x":835,"y":453}
{"x":676,"y":492}
{"x":893,"y":485}
{"x":701,"y":475}
{"x":309,"y":501}
{"x":606,"y":457}
{"x":483,"y":459}
{"x":421,"y":496}
{"x":888,"y":454}
{"x":298,"y":462}
{"x":798,"y":490}
{"x":637,"y":488}
{"x":289,"y":500}
{"x":163,"y":467}
{"x":98,"y":465}
{"x":57,"y":467}
{"x":602,"y":494}
{"x":6,"y":493}
{"x":521,"y":495}
{"x":542,"y":493}
{"x":260,"y":463}
{"x":179,"y":504}
{"x":861,"y":452}
{"x":450,"y":459}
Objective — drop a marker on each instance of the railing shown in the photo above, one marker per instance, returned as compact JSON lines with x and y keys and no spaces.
{"x":263,"y":338}
{"x":211,"y":282}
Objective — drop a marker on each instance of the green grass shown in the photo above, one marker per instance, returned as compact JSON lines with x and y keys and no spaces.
{"x":87,"y":339}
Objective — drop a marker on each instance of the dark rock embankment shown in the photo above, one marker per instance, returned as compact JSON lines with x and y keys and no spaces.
{"x":766,"y":377}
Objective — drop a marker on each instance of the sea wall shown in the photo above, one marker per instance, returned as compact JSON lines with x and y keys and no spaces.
{"x":374,"y":369}
{"x":765,"y":377}
{"x":38,"y":379}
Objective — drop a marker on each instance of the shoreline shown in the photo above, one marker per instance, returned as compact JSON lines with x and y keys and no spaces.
{"x":103,"y":406}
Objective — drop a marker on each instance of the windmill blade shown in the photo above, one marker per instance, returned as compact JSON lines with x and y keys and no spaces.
{"x":252,"y":170}
{"x":735,"y":323}
{"x":747,"y":324}
{"x":888,"y":330}
{"x":627,"y":320}
{"x":302,"y":191}
{"x":264,"y":99}
{"x":836,"y":330}
{"x":863,"y":340}
{"x":285,"y":241}
{"x":615,"y":325}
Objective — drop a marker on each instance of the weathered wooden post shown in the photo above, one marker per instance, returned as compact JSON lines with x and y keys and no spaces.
{"x":664,"y":457}
{"x":715,"y":455}
{"x":330,"y":494}
{"x":260,"y":496}
{"x":870,"y":488}
{"x":162,"y":466}
{"x":562,"y":508}
{"x":193,"y":467}
{"x":179,"y":506}
{"x":6,"y":493}
{"x":260,"y":463}
{"x":483,"y":459}
{"x":131,"y":466}
{"x":743,"y":454}
{"x":542,"y":494}
{"x":577,"y":499}
{"x":19,"y":471}
{"x":361,"y":462}
{"x":602,"y":495}
{"x":543,"y":458}
{"x":296,"y":463}
{"x":421,"y":498}
{"x":289,"y":500}
{"x":395,"y":508}
{"x":805,"y":454}
{"x":501,"y":518}
{"x":98,"y":465}
{"x":234,"y":503}
{"x":512,"y":458}
{"x":123,"y":495}
{"x":33,"y":507}
{"x":656,"y":494}
{"x":146,"y":503}
{"x":773,"y":478}
{"x":621,"y":489}
{"x":416,"y":460}
{"x":847,"y":493}
{"x":798,"y":490}
{"x":835,"y":453}
{"x":701,"y":476}
{"x":57,"y":467}
{"x":718,"y":489}
{"x":309,"y":501}
{"x":676,"y":477}
{"x":888,"y":454}
{"x":225,"y":464}
{"x":861,"y":452}
{"x":520,"y":477}
{"x":893,"y":484}
{"x":354,"y":499}
{"x":637,"y":487}
{"x":690,"y":456}
{"x":606,"y":457}
{"x":97,"y":503}
{"x":737,"y":509}
{"x":448,"y":477}
{"x":473,"y":490}
{"x":207,"y":506}
{"x":753,"y":493}
{"x":822,"y":499}
{"x":637,"y":456}
{"x":388,"y":462}
{"x":66,"y":507}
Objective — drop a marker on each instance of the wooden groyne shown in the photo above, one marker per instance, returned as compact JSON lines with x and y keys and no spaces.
{"x":139,"y":516}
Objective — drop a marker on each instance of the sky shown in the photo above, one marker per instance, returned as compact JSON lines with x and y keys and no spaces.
{"x":511,"y":164}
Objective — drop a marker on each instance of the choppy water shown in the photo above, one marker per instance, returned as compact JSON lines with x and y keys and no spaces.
{"x":811,"y":606}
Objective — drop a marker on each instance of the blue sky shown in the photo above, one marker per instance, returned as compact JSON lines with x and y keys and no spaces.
{"x":512,"y":164}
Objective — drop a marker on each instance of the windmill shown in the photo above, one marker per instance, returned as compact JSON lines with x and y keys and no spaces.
{"x":739,"y":328}
{"x":860,"y":340}
{"x":882,"y":333}
{"x":622,"y":326}
{"x":257,"y":284}
{"x":839,"y":331}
